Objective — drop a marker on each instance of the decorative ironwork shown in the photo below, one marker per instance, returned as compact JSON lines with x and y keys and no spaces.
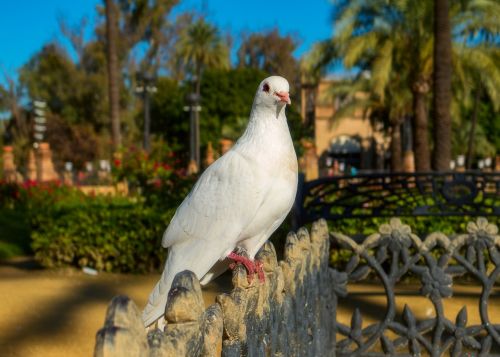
{"x":394,"y":253}
{"x":398,"y":194}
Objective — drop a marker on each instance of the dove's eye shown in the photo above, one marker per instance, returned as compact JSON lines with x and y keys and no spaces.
{"x":265,"y":88}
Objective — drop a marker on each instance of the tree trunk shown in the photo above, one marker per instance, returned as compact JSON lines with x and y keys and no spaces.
{"x":396,"y":163}
{"x":442,"y":86}
{"x":472,"y":133}
{"x":420,"y":126}
{"x":113,"y":73}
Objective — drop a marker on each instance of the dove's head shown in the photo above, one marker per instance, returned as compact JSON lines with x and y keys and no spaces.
{"x":273,"y":92}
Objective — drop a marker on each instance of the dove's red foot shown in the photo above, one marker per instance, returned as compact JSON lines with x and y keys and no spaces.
{"x":252,"y":267}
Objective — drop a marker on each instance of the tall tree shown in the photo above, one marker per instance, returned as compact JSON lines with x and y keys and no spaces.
{"x":442,"y":85}
{"x":270,"y":52}
{"x":141,"y":31}
{"x":10,"y":97}
{"x":476,"y":78}
{"x":391,"y":41}
{"x":113,"y":73}
{"x":200,"y":46}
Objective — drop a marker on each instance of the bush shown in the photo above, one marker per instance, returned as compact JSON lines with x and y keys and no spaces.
{"x":421,"y":226}
{"x":64,"y":227}
{"x":14,"y":233}
{"x":159,"y":177}
{"x":116,"y":234}
{"x":113,"y":234}
{"x":107,"y":234}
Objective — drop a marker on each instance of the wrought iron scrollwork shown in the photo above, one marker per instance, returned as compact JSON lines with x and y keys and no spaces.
{"x":394,"y":253}
{"x":399,"y":194}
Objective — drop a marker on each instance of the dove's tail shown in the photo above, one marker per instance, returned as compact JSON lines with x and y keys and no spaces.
{"x":199,"y":260}
{"x":157,"y":301}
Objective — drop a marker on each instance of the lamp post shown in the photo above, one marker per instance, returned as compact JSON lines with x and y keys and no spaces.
{"x":144,"y":88}
{"x":194,"y":128}
{"x":40,"y":127}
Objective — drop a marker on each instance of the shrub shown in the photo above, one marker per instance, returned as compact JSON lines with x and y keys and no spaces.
{"x":116,"y":234}
{"x":108,"y":234}
{"x":421,"y":226}
{"x":159,"y":176}
{"x":14,"y":233}
{"x":65,"y":227}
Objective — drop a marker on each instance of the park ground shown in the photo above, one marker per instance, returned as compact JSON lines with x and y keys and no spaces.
{"x":57,"y":313}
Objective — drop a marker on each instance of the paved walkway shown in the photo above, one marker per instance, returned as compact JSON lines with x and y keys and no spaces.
{"x":57,"y":313}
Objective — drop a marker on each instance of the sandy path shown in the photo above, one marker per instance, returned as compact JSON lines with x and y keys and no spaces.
{"x":57,"y":314}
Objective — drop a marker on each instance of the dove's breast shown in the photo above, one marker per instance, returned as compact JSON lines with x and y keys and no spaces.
{"x":278,"y":181}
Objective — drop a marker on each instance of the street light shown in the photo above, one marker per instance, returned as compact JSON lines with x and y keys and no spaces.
{"x":144,"y":88}
{"x":40,"y":121}
{"x":194,"y":128}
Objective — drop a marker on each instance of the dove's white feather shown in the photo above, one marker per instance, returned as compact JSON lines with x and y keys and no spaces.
{"x":239,"y":201}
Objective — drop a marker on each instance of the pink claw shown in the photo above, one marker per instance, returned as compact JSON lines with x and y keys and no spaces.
{"x":252,"y":267}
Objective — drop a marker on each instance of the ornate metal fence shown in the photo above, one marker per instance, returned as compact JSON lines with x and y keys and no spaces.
{"x":394,"y":253}
{"x":398,"y":194}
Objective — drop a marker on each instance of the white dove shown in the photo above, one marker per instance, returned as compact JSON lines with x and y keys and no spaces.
{"x":237,"y":203}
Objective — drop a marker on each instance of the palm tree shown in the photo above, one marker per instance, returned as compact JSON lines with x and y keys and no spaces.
{"x":113,"y":73}
{"x":393,"y":41}
{"x":200,"y":46}
{"x":390,"y":40}
{"x":476,"y":66}
{"x":478,"y":74}
{"x":442,"y":85}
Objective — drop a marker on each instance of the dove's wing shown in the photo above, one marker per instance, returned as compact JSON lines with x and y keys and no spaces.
{"x":221,"y":204}
{"x":209,"y":222}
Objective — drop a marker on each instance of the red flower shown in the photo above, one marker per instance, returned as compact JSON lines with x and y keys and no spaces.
{"x":117,"y":162}
{"x":29,"y":183}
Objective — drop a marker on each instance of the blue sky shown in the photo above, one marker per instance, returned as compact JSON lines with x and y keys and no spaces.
{"x":26,"y":25}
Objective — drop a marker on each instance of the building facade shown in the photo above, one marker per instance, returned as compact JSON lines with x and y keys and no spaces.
{"x":346,"y":144}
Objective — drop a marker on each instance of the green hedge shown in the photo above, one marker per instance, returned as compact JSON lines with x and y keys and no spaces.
{"x":113,"y":235}
{"x":14,"y":233}
{"x":421,"y":226}
{"x":63,"y":227}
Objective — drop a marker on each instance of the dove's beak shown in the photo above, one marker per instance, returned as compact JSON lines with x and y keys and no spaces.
{"x":284,"y":97}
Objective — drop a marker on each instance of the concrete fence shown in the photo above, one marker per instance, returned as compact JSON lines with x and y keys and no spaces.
{"x":288,"y":315}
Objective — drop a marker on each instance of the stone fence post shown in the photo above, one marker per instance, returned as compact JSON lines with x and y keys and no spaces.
{"x":288,"y":315}
{"x":10,"y":172}
{"x":190,"y":331}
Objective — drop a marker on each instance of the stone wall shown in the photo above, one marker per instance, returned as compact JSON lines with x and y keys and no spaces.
{"x":288,"y":315}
